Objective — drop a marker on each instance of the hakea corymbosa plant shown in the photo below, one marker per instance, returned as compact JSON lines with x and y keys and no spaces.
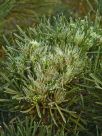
{"x":40,"y":67}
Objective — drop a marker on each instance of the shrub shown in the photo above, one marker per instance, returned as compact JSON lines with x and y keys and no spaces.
{"x":42,"y":69}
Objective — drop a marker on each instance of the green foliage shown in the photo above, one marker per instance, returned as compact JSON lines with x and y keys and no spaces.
{"x":29,"y":127}
{"x":92,"y":97}
{"x":45,"y":73}
{"x":5,"y":7}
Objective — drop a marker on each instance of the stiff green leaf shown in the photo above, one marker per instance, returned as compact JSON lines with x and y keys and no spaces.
{"x":58,"y":108}
{"x":38,"y":110}
{"x":4,"y":100}
{"x":10,"y":91}
{"x":28,"y":110}
{"x":53,"y":117}
{"x":100,"y":103}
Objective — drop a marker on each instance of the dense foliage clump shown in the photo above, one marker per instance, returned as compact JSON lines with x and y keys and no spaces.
{"x":51,"y":74}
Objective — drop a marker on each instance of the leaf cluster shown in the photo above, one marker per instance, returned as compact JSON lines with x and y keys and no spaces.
{"x":45,"y":72}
